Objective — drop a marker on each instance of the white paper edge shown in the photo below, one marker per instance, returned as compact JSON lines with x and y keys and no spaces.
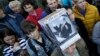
{"x":70,"y":42}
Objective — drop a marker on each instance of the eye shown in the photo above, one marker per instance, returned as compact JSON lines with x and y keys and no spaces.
{"x":54,"y":2}
{"x":50,"y":3}
{"x":81,"y":2}
{"x":12,"y":38}
{"x":29,"y":7}
{"x":6,"y":40}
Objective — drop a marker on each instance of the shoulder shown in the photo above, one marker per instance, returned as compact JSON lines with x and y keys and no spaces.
{"x":91,"y":7}
{"x":12,"y":16}
{"x":44,"y":36}
{"x":7,"y":49}
{"x":41,"y":33}
{"x":8,"y":10}
{"x":21,"y":40}
{"x":18,"y":15}
{"x":41,"y":10}
{"x":29,"y":17}
{"x":30,"y":41}
{"x":38,"y":9}
{"x":22,"y":43}
{"x":47,"y":10}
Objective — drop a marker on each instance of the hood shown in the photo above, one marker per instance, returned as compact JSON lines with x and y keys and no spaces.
{"x":8,"y":10}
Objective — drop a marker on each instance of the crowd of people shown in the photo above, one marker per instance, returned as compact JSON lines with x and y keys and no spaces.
{"x":22,"y":35}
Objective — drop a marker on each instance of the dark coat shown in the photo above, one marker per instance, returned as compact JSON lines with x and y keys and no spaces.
{"x":13,"y":22}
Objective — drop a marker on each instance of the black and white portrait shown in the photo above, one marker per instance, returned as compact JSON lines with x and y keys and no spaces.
{"x":62,"y":28}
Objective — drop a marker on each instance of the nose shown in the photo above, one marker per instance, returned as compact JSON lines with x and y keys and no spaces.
{"x":31,"y":34}
{"x":17,"y":10}
{"x":54,"y":5}
{"x":10,"y":41}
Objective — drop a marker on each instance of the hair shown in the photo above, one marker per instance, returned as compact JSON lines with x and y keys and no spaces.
{"x":27,"y":26}
{"x":75,"y":1}
{"x":7,"y":32}
{"x":13,"y":3}
{"x":45,"y":1}
{"x":27,"y":2}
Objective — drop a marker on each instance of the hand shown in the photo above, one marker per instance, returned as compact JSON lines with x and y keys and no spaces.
{"x":16,"y":47}
{"x":16,"y":44}
{"x":71,"y":14}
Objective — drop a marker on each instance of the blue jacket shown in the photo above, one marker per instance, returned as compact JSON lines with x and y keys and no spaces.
{"x":7,"y":10}
{"x":96,"y":35}
{"x":66,"y":3}
{"x":41,"y":50}
{"x":13,"y":22}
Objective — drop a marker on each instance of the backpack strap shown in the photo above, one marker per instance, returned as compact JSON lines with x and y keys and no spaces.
{"x":32,"y":47}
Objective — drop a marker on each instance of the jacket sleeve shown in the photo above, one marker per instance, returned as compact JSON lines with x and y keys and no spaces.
{"x":19,"y":18}
{"x":22,"y":43}
{"x":7,"y":51}
{"x":96,"y":34}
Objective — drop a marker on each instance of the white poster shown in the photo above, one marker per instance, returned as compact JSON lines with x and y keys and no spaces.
{"x":59,"y":26}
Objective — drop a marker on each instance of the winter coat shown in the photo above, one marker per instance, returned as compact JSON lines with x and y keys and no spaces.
{"x":90,"y":18}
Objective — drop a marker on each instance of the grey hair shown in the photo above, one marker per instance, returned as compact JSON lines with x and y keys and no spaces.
{"x":13,"y":3}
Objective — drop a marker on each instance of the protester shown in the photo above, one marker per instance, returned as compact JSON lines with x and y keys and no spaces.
{"x":52,"y":5}
{"x":87,"y":13}
{"x":12,"y":21}
{"x":14,"y":7}
{"x":96,"y":35}
{"x":12,"y":44}
{"x":38,"y":43}
{"x":35,"y":14}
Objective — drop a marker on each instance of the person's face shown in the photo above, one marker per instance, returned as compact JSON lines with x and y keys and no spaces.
{"x":71,"y":14}
{"x":34,"y":34}
{"x":16,"y":9}
{"x":2,"y":14}
{"x":28,"y":8}
{"x":81,"y":4}
{"x":9,"y":39}
{"x":52,"y":4}
{"x":71,"y":49}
